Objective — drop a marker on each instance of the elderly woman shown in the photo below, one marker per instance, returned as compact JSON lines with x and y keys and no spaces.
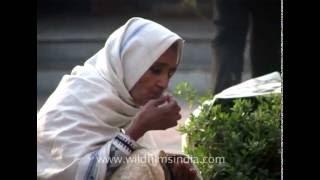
{"x":104,"y":109}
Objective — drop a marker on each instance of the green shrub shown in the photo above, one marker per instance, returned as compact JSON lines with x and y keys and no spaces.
{"x":245,"y":132}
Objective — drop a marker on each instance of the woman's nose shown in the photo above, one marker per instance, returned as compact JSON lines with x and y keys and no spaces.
{"x":163,"y":82}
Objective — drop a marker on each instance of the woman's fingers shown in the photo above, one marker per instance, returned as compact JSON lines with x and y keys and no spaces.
{"x":183,"y":171}
{"x":175,"y":171}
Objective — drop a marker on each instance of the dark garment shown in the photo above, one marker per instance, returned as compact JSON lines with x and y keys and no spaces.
{"x":231,"y":22}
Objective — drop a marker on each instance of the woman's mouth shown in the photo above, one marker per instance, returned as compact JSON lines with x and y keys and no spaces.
{"x":156,"y":95}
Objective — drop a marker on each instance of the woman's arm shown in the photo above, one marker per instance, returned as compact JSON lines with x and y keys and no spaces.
{"x":102,"y":163}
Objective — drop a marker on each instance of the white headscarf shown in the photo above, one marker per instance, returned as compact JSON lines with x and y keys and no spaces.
{"x":93,"y":102}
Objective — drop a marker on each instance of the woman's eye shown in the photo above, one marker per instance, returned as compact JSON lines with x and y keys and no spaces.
{"x":156,"y":71}
{"x":170,"y":74}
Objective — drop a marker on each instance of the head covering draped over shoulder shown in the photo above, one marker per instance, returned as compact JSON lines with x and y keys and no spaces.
{"x":93,"y":102}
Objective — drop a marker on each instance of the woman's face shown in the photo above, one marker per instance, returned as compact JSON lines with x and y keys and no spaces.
{"x":156,"y":79}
